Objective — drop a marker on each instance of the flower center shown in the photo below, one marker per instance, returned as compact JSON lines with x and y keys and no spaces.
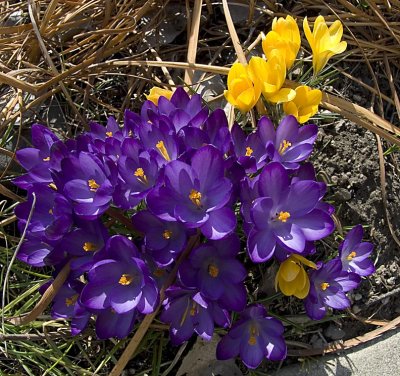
{"x":46,"y":159}
{"x":195,"y":197}
{"x":126,"y":279}
{"x":93,"y":185}
{"x":324,"y":285}
{"x":253,"y":335}
{"x":163,"y":150}
{"x":283,"y":216}
{"x":249,"y":151}
{"x":193,"y":310}
{"x":283,"y":146}
{"x":351,"y":256}
{"x":51,"y":211}
{"x":89,"y":247}
{"x":159,"y":272}
{"x":53,"y":186}
{"x":213,"y":270}
{"x":72,"y":300}
{"x":167,"y":234}
{"x":139,"y":173}
{"x":109,"y":134}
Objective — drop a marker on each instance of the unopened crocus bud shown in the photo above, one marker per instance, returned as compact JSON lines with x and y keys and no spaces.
{"x":156,"y":93}
{"x":243,"y":90}
{"x":271,"y":75}
{"x":304,"y":105}
{"x":324,"y":42}
{"x":285,"y":37}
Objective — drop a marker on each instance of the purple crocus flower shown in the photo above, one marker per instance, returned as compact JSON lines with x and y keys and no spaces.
{"x":34,"y":252}
{"x":88,"y":183}
{"x":196,"y":195}
{"x":138,"y":174}
{"x":254,"y":337}
{"x":121,"y":280}
{"x":182,"y":109}
{"x":66,"y":305}
{"x":250,"y":150}
{"x":292,"y":144}
{"x":36,"y":160}
{"x":214,"y":269}
{"x":52,"y":216}
{"x":110,"y":324}
{"x":187,"y":311}
{"x":354,"y":253}
{"x":162,"y":239}
{"x":285,"y":214}
{"x":329,"y":283}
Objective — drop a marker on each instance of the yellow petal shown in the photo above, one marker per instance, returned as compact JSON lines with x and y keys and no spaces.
{"x":289,"y":270}
{"x":302,"y":293}
{"x":308,"y":33}
{"x":157,"y":92}
{"x":304,"y":261}
{"x":290,"y":108}
{"x":283,"y":95}
{"x":287,"y":288}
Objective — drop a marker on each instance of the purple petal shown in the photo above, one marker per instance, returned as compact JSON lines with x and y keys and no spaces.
{"x":290,"y":236}
{"x":261,"y":245}
{"x":220,"y":223}
{"x":274,"y":182}
{"x":315,"y":225}
{"x":228,"y":348}
{"x":302,"y":198}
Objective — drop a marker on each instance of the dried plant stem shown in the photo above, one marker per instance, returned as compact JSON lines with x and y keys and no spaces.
{"x":193,"y":40}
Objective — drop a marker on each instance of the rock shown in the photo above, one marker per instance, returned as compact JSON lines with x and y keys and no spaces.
{"x":342,"y":195}
{"x":334,"y":332}
{"x":357,"y":297}
{"x":201,"y":361}
{"x":356,"y":309}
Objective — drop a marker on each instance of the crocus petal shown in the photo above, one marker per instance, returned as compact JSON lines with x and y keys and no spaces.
{"x":261,"y":245}
{"x":315,"y":225}
{"x":220,"y":223}
{"x":228,"y":347}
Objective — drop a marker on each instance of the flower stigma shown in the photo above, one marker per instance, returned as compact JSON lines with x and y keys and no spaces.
{"x":351,"y":255}
{"x":163,"y":150}
{"x":324,"y":285}
{"x":126,"y":279}
{"x":167,"y":234}
{"x":249,"y":151}
{"x":283,"y":146}
{"x":72,"y":300}
{"x":253,"y":335}
{"x":93,"y":185}
{"x":46,"y":159}
{"x":139,"y":173}
{"x":109,"y":134}
{"x":89,"y":247}
{"x":283,"y":216}
{"x":195,"y":197}
{"x":213,"y":270}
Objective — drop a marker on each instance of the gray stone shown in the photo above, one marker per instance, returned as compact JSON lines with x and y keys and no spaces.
{"x":342,"y":195}
{"x":380,"y":356}
{"x":200,"y":361}
{"x":334,"y":332}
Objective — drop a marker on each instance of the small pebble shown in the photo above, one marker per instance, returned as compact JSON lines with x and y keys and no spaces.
{"x":356,"y":309}
{"x":391,"y":281}
{"x":357,"y":297}
{"x":334,"y":332}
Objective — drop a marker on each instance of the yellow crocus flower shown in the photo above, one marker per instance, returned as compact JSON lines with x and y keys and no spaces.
{"x":304,"y":105}
{"x":157,"y":92}
{"x":324,"y":42}
{"x":271,"y":74}
{"x":292,"y":279}
{"x":285,"y":37}
{"x":243,"y":90}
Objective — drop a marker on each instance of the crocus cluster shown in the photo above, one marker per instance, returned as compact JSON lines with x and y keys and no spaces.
{"x":266,"y":77}
{"x":173,"y":187}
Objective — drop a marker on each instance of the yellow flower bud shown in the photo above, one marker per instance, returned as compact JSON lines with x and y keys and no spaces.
{"x":243,"y":90}
{"x":285,"y":37}
{"x":271,"y":75}
{"x":157,"y":92}
{"x":324,"y":42}
{"x":304,"y":105}
{"x":292,"y":279}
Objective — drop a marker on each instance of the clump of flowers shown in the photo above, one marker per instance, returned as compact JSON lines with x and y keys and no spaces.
{"x":174,"y":188}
